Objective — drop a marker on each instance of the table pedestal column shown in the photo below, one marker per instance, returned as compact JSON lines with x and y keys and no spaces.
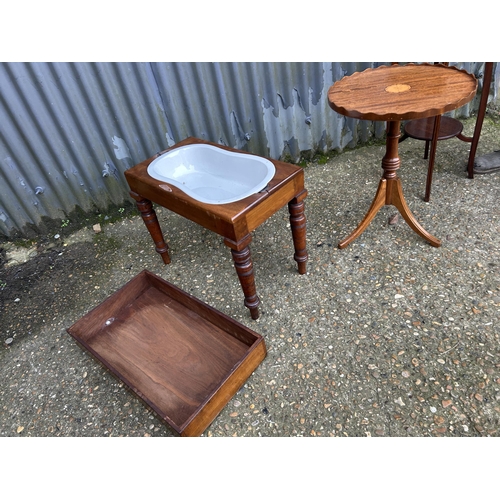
{"x":390,"y":192}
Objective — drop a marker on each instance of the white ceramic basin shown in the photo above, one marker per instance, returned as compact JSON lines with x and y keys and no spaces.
{"x":212,"y":175}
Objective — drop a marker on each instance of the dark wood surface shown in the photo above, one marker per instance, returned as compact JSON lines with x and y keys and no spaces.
{"x":423,"y":129}
{"x":231,"y":220}
{"x":234,"y":221}
{"x":402,"y":92}
{"x":184,"y":359}
{"x":395,"y":93}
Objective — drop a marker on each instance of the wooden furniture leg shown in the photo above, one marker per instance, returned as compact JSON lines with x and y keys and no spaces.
{"x":244,"y":269}
{"x":298,"y":226}
{"x":390,"y":191}
{"x":398,"y":200}
{"x":151,"y":221}
{"x":488,"y":70}
{"x":430,"y":168}
{"x":377,"y":203}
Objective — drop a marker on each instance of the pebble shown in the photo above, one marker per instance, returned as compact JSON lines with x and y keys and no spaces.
{"x":393,"y":219}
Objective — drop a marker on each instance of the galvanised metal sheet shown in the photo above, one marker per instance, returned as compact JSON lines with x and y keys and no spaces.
{"x":70,"y":130}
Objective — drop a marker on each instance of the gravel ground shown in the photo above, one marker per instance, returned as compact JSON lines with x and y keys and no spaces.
{"x":388,"y":337}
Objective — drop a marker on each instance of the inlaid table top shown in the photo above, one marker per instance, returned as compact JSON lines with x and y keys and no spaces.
{"x":402,"y":92}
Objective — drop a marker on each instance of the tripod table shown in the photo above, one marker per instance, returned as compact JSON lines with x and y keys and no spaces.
{"x":392,"y":94}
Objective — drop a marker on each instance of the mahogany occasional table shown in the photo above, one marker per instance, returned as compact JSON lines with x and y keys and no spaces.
{"x":234,"y":221}
{"x":395,"y":93}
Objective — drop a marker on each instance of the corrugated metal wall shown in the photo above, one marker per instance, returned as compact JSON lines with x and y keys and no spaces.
{"x":69,"y":130}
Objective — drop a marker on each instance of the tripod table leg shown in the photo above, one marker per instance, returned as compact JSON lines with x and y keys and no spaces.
{"x":377,"y":203}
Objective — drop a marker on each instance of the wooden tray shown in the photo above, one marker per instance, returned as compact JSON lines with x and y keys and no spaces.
{"x":183,"y":358}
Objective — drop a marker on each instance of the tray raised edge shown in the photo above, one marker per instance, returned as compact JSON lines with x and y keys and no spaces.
{"x":93,"y":322}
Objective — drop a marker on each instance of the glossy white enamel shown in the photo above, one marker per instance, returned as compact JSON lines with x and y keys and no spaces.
{"x":212,"y":175}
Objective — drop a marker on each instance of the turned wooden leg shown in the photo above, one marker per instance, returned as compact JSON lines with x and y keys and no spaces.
{"x":298,"y":226}
{"x":244,"y":269}
{"x":151,"y":221}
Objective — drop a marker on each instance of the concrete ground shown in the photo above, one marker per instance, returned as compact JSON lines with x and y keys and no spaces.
{"x":388,"y":337}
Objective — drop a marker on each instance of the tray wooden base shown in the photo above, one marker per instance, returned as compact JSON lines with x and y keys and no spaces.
{"x":183,"y":358}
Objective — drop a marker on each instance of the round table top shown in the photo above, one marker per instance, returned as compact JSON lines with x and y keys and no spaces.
{"x":402,"y":92}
